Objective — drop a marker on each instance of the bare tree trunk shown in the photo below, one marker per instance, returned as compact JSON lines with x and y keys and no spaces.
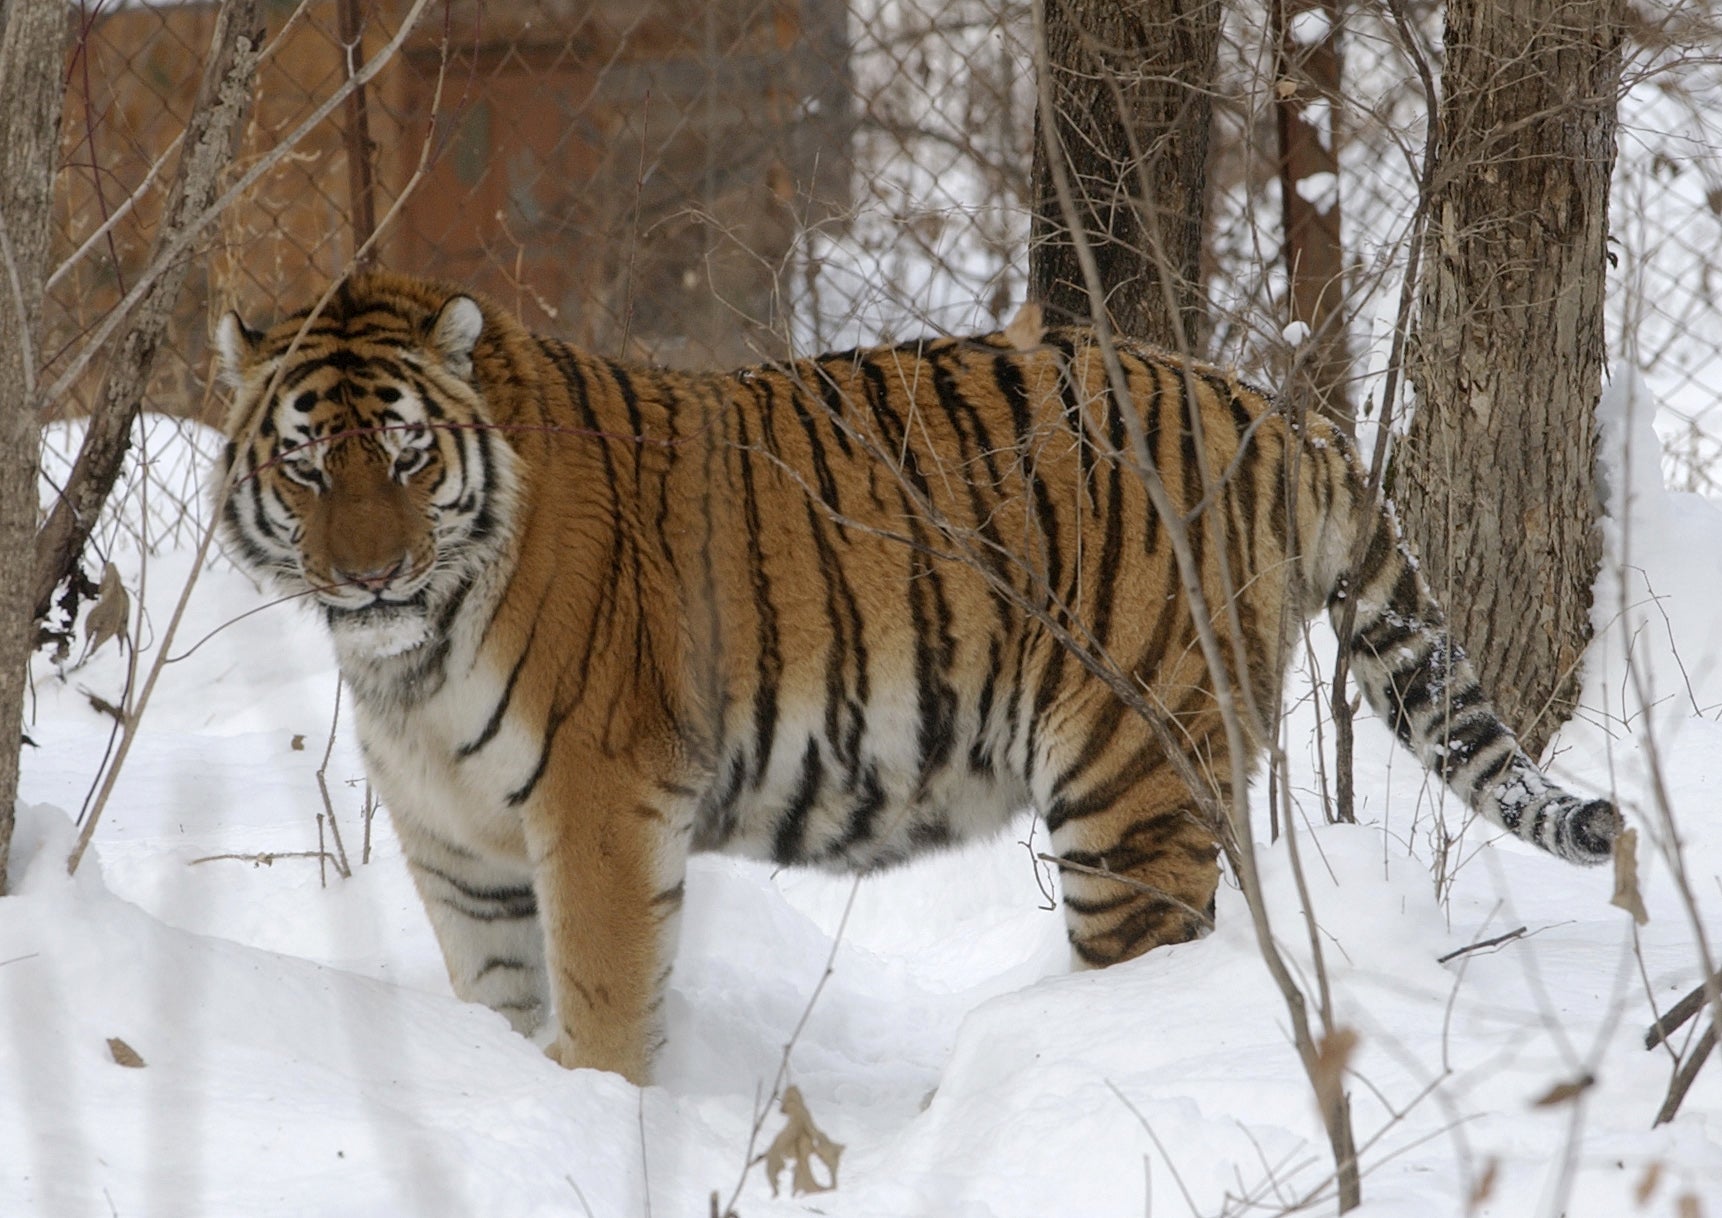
{"x":1306,"y":103}
{"x":32,"y":50}
{"x":1496,"y":477}
{"x":1132,"y":98}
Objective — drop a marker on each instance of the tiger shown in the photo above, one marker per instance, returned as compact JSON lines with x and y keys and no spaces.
{"x":837,"y":611}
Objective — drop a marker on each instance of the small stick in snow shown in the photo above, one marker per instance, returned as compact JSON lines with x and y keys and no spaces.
{"x":1682,"y":1081}
{"x":340,"y":856}
{"x":1694,"y":1061}
{"x":1678,"y":1014}
{"x":1480,"y":945}
{"x":263,"y":859}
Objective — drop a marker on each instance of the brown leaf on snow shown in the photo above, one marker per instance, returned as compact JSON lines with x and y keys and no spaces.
{"x":798,"y":1145}
{"x":1332,"y":1056}
{"x":124,"y":1054}
{"x":1626,"y":894}
{"x":297,"y":744}
{"x":1646,"y":1187}
{"x":102,"y":706}
{"x":1565,"y":1093}
{"x":1484,"y":1188}
{"x":1026,"y":329}
{"x":112,"y":610}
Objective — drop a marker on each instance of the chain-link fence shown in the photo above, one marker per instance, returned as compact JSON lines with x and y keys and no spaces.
{"x":703,"y":183}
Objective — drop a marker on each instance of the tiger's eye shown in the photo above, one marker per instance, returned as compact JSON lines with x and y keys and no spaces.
{"x":302,"y":468}
{"x":410,"y":461}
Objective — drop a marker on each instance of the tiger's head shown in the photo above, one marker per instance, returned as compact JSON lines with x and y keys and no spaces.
{"x":365,"y":471}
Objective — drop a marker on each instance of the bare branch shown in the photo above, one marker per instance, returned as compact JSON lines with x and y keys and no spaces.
{"x":1480,"y":945}
{"x":211,"y":139}
{"x":1679,"y":1013}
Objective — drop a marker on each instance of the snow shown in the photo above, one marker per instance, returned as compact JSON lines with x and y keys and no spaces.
{"x":1319,"y":190}
{"x":1310,"y":26}
{"x":304,"y":1055}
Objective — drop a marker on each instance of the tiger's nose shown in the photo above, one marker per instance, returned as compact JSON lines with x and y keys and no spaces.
{"x":374,"y":580}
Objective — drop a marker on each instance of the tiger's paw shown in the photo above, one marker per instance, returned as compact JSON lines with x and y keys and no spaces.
{"x":563,"y":1053}
{"x":631,"y":1066}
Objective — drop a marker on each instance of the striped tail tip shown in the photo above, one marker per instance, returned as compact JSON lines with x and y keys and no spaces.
{"x":1585,"y":832}
{"x":1535,"y":810}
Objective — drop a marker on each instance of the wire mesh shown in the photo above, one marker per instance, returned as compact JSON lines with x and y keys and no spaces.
{"x":699,"y":184}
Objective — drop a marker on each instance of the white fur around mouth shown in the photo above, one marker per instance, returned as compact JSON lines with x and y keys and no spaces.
{"x":392,"y":631}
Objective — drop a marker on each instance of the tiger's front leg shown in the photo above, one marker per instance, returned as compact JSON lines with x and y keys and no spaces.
{"x":485,"y":914}
{"x":608,"y":866}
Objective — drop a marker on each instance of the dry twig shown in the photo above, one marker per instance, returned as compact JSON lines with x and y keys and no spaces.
{"x":1481,"y":944}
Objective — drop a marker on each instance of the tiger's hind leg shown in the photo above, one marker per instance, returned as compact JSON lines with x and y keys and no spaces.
{"x":1141,"y":825}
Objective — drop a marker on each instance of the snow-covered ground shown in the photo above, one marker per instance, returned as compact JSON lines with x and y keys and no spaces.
{"x":304,"y":1056}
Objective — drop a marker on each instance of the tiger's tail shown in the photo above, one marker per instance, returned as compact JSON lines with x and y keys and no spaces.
{"x":1419,"y":680}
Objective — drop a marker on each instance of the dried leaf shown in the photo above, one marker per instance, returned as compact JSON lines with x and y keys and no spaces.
{"x":108,"y":616}
{"x":298,"y":742}
{"x":1332,"y":1056}
{"x":1626,"y":894}
{"x":103,"y":707}
{"x":1484,"y":1188}
{"x":1647,"y":1183}
{"x":1688,"y":1206}
{"x":798,"y":1145}
{"x":1565,"y":1093}
{"x":124,"y":1054}
{"x":1026,"y":329}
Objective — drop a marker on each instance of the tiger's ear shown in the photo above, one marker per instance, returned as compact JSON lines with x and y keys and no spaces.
{"x":455,"y":332}
{"x":236,"y":347}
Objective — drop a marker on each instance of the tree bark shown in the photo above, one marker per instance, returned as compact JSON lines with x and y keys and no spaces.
{"x":1306,"y":105}
{"x":32,"y":50}
{"x":1132,"y":92}
{"x":1496,"y":478}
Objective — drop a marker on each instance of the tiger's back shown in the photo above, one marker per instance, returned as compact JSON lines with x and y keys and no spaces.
{"x":832,"y":612}
{"x":868,"y":560}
